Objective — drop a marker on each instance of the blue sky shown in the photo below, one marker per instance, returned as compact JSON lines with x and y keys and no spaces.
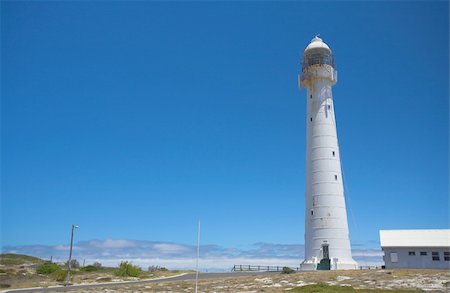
{"x":136,"y":119}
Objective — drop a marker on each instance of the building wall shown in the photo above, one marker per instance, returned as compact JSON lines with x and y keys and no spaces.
{"x":410,"y":257}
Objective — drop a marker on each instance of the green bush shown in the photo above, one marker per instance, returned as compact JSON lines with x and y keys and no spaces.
{"x":47,"y":268}
{"x":287,"y":270}
{"x":127,"y":269}
{"x":60,"y":275}
{"x":90,"y":268}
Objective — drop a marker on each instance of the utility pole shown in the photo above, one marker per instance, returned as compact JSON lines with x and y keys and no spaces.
{"x":69,"y":264}
{"x":198,"y":256}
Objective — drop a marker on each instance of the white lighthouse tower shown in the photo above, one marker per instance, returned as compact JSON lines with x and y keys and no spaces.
{"x":327,"y":242}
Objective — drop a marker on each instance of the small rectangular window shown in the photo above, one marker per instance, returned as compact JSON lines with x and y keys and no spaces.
{"x":312,"y":213}
{"x":394,"y":257}
{"x":411,"y":253}
{"x":335,"y":177}
{"x":310,"y":119}
{"x":447,"y":255}
{"x":334,"y":154}
{"x":310,"y":96}
{"x":423,"y":253}
{"x":329,"y":107}
{"x":435,"y":255}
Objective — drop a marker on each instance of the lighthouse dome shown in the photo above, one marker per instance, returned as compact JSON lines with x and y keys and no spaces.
{"x":317,"y":43}
{"x":317,"y":53}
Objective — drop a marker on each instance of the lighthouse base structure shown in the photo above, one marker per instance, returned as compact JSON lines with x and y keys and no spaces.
{"x":335,"y":264}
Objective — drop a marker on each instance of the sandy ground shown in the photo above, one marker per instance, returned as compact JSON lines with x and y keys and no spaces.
{"x":427,"y":280}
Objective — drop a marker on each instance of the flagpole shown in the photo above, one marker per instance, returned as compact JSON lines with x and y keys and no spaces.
{"x":198,"y":256}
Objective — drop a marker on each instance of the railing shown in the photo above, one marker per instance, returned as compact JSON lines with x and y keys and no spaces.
{"x":253,"y":268}
{"x":318,"y":57}
{"x":371,"y":267}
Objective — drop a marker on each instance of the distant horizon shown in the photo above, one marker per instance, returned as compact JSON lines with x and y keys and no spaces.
{"x":111,"y":252}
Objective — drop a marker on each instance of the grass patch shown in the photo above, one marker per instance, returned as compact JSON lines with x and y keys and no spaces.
{"x":323,"y":288}
{"x":18,"y":259}
{"x":2,"y":286}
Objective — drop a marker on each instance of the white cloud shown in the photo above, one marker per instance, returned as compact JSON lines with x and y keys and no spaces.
{"x":180,"y":256}
{"x":66,"y":247}
{"x":170,"y":248}
{"x":109,"y":243}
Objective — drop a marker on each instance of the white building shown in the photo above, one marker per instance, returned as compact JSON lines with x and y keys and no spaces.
{"x":327,"y":242}
{"x":428,"y":249}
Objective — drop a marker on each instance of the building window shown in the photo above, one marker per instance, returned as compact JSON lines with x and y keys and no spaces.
{"x":435,"y":255}
{"x":329,"y":107}
{"x":423,"y":253}
{"x":310,"y":119}
{"x":312,"y":213}
{"x":335,"y":177}
{"x":447,"y":255}
{"x":334,"y":154}
{"x":411,"y":253}
{"x":310,"y":96}
{"x":394,"y":257}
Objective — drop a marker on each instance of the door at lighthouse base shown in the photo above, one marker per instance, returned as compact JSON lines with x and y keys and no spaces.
{"x":325,"y":263}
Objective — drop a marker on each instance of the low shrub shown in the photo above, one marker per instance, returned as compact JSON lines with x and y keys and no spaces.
{"x":47,"y":268}
{"x":287,"y":270}
{"x":90,"y":268}
{"x":60,"y":275}
{"x":127,"y":269}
